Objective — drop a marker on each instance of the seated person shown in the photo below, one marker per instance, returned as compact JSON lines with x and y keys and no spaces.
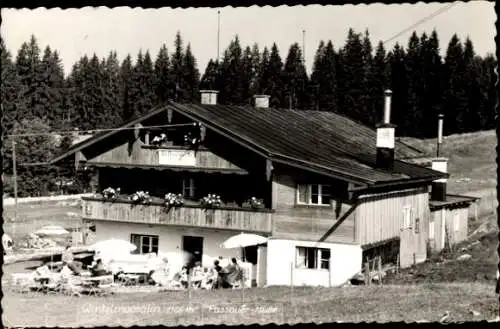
{"x":197,"y":274}
{"x":97,"y":268}
{"x":234,"y":273}
{"x":221,"y":281}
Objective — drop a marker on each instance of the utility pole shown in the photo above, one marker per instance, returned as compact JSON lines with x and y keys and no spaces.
{"x":14,"y":171}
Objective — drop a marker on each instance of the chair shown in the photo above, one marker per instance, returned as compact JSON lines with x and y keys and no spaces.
{"x":22,"y":282}
{"x":71,"y":286}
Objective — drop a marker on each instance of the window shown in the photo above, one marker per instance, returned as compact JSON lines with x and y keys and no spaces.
{"x":431,"y":229}
{"x":314,"y":194}
{"x":407,"y":212}
{"x":313,"y":258}
{"x":188,"y":188}
{"x":456,"y":222}
{"x":417,"y":225}
{"x":145,"y":243}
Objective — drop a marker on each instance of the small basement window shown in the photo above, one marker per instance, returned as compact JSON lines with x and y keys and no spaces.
{"x":314,"y":194}
{"x":312,"y":258}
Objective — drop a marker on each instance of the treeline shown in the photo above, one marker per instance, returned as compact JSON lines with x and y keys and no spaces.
{"x":349,"y":79}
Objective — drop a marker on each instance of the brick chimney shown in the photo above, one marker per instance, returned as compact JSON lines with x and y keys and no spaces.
{"x":209,"y":97}
{"x":385,"y":137}
{"x":438,"y":191}
{"x":261,"y":101}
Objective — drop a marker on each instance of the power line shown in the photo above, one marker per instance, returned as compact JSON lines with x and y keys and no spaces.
{"x":93,"y":131}
{"x":421,"y":21}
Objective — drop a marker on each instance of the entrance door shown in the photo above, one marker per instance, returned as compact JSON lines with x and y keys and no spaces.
{"x":194,"y":246}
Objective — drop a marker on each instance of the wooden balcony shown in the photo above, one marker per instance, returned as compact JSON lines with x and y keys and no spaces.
{"x":227,"y":218}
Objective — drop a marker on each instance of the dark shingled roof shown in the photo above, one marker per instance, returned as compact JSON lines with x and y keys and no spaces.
{"x":320,"y":141}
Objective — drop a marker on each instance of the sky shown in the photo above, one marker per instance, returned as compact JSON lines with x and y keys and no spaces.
{"x":75,"y":32}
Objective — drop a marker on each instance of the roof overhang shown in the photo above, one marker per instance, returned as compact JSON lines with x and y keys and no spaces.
{"x":165,"y":168}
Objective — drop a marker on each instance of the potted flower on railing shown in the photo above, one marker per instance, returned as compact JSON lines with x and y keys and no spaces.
{"x":140,"y":197}
{"x":211,"y":201}
{"x":173,"y":200}
{"x":110,"y":193}
{"x":159,"y":140}
{"x":254,"y":203}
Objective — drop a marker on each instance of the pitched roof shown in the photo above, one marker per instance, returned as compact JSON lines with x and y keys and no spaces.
{"x":319,"y":141}
{"x":322,"y":140}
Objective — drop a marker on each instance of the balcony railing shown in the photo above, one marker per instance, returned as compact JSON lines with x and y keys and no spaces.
{"x":229,"y":218}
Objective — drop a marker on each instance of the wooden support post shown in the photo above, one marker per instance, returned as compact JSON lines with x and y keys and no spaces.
{"x":14,"y":172}
{"x":367,"y":273}
{"x":397,"y":264}
{"x":379,"y":265}
{"x":189,"y":286}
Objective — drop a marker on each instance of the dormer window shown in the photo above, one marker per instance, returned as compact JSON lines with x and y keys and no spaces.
{"x":314,"y":194}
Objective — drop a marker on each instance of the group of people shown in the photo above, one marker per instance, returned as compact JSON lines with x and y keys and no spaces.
{"x":97,"y":267}
{"x":217,"y":277}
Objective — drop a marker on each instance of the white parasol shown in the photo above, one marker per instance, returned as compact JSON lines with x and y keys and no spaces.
{"x":115,"y":246}
{"x":52,"y":230}
{"x":243,"y":240}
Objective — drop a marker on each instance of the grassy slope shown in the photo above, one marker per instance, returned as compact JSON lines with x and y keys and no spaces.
{"x":471,"y":156}
{"x":351,"y":304}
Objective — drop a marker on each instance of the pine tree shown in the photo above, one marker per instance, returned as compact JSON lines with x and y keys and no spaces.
{"x":11,"y":91}
{"x":472,"y":87}
{"x":246,"y":75}
{"x":324,"y":78}
{"x":263,"y":68}
{"x":162,"y":81}
{"x":380,"y":72}
{"x":353,"y":77}
{"x":399,"y":83}
{"x":317,"y":77}
{"x":368,"y":85}
{"x":232,"y":90}
{"x":34,"y":180}
{"x":413,"y":121}
{"x":53,"y":91}
{"x":127,"y":88}
{"x":210,"y":77}
{"x":191,"y":76}
{"x":431,"y":97}
{"x":455,"y":102}
{"x":272,"y":78}
{"x":111,"y":88}
{"x":488,"y":88}
{"x":295,"y":78}
{"x":177,"y":67}
{"x":30,"y":71}
{"x":254,"y":87}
